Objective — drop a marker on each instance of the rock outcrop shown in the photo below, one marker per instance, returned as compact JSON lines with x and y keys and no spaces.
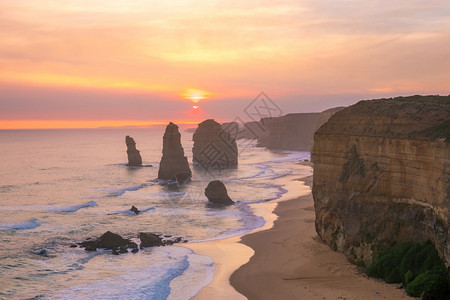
{"x":174,"y":165}
{"x":134,"y":156}
{"x":110,"y":241}
{"x":214,"y":147}
{"x":216,"y":192}
{"x":382,"y":175}
{"x":149,"y":239}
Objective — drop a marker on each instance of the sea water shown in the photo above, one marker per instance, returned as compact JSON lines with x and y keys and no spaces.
{"x":59,"y":187}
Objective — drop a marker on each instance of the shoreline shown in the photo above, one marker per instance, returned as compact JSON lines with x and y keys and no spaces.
{"x":230,"y":254}
{"x":291,"y":262}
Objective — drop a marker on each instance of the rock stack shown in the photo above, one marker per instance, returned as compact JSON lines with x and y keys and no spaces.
{"x":214,"y":147}
{"x":134,"y":156}
{"x":174,"y":165}
{"x":216,"y":192}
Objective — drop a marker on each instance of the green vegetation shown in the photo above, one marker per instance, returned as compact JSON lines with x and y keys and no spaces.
{"x":439,"y":131}
{"x":417,"y":266}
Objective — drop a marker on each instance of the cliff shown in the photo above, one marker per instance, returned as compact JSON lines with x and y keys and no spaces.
{"x":382,"y":175}
{"x":289,"y":132}
{"x":174,"y":165}
{"x":214,"y":147}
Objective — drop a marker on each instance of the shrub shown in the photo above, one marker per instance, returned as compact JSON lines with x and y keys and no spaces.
{"x":418,"y":266}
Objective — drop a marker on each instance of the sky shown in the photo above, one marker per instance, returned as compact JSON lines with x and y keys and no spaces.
{"x":91,"y":63}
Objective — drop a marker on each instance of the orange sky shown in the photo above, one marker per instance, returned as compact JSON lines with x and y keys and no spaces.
{"x":86,"y":63}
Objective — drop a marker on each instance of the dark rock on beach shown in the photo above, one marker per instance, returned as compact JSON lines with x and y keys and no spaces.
{"x":216,"y":192}
{"x":174,"y":165}
{"x":134,"y":156}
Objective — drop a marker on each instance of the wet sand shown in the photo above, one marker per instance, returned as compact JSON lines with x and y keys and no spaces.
{"x":290,"y":262}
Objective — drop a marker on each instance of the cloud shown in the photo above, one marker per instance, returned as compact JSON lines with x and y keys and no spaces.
{"x":232,"y":49}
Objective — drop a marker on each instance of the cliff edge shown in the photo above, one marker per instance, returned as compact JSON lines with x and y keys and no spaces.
{"x":382,"y":175}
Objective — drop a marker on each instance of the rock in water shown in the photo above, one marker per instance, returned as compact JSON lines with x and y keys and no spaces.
{"x":111,"y":240}
{"x":135,"y":210}
{"x":150,"y":240}
{"x":134,"y":156}
{"x":174,"y":165}
{"x":216,"y":192}
{"x":214,"y":147}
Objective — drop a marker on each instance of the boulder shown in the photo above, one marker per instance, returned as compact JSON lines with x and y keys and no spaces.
{"x":134,"y":156}
{"x":214,"y":147}
{"x":108,"y":240}
{"x":134,"y":209}
{"x":149,"y":239}
{"x":216,"y":192}
{"x":174,"y":165}
{"x":111,"y":240}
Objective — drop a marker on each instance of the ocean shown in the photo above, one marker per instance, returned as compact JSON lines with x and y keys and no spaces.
{"x":59,"y":187}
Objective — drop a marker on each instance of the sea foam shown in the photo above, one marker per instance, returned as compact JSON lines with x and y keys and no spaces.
{"x":30,"y":224}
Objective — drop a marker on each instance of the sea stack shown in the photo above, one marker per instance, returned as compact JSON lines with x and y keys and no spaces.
{"x":174,"y":165}
{"x":214,"y":147}
{"x":134,"y":156}
{"x":216,"y":192}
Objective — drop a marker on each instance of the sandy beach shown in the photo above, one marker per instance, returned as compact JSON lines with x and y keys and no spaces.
{"x":285,"y":259}
{"x":290,"y":262}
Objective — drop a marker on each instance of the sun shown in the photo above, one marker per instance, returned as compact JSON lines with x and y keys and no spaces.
{"x":195,"y":95}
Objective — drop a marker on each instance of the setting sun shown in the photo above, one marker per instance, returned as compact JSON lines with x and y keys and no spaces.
{"x":195,"y":95}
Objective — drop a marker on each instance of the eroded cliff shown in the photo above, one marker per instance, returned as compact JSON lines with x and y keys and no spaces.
{"x":382,"y":175}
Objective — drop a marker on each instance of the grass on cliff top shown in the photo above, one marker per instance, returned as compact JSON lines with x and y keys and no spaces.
{"x":417,"y":266}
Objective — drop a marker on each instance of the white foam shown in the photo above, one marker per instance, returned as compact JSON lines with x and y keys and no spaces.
{"x":145,"y":275}
{"x":49,"y":208}
{"x":120,"y":192}
{"x":30,"y":224}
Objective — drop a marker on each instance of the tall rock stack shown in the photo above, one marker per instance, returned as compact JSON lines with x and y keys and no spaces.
{"x":382,"y":175}
{"x":134,"y":156}
{"x":214,"y":147}
{"x":174,"y":165}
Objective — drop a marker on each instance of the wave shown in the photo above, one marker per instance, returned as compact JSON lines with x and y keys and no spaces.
{"x":149,"y":277}
{"x":30,"y":224}
{"x":49,"y":208}
{"x":73,"y":208}
{"x":120,"y":192}
{"x":129,"y":212}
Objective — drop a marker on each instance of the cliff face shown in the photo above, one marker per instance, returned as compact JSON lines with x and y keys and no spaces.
{"x":382,"y":175}
{"x":289,"y":132}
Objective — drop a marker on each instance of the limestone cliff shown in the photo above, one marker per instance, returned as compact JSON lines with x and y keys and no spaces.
{"x":214,"y":147}
{"x":382,"y":175}
{"x":174,"y":165}
{"x":289,"y":132}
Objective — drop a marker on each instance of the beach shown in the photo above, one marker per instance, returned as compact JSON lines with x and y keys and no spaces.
{"x":288,"y":261}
